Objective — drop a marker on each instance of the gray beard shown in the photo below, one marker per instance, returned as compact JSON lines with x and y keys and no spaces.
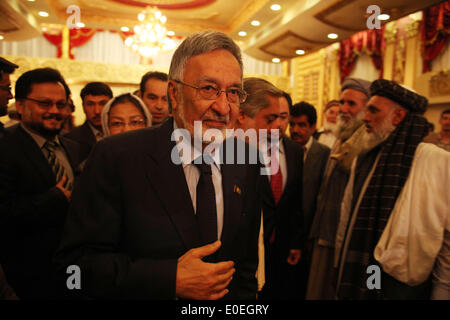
{"x":372,"y":139}
{"x":344,"y":130}
{"x":328,"y":126}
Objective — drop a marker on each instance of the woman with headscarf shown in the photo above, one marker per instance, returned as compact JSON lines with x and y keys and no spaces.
{"x":124,"y":113}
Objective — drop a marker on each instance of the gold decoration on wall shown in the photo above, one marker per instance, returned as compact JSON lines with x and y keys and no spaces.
{"x":412,"y":29}
{"x":390,"y":32}
{"x":399,"y":65}
{"x":440,"y":84}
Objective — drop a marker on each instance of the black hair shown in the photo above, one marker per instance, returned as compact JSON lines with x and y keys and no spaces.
{"x":152,"y":75}
{"x":41,"y":75}
{"x":96,"y":89}
{"x":304,"y":108}
{"x":7,"y":66}
{"x":445,"y":112}
{"x":288,"y":98}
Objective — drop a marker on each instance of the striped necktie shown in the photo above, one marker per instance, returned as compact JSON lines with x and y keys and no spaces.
{"x":57,"y":167}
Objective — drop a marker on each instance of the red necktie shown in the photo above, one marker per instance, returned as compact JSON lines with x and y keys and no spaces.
{"x":276,"y":181}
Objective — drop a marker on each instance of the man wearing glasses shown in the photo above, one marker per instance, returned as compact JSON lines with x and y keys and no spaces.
{"x":143,"y":225}
{"x":6,"y":68}
{"x":37,"y":169}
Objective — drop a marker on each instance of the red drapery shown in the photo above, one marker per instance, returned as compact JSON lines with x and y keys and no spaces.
{"x":369,"y":41}
{"x":435,"y":32}
{"x":78,"y":37}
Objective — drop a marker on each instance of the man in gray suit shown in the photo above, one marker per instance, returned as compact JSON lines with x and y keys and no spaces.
{"x":302,"y":120}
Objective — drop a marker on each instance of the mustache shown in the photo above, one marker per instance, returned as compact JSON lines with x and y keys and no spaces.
{"x":57,"y":117}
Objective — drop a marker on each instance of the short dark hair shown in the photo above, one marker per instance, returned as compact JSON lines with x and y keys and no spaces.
{"x":304,"y":108}
{"x":7,"y":66}
{"x":41,"y":75}
{"x":288,"y":99}
{"x":96,"y":89}
{"x":152,"y":75}
{"x":445,"y":112}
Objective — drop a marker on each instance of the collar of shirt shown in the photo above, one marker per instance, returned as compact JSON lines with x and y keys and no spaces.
{"x":40,"y":141}
{"x":308,"y":145}
{"x":183,"y":142}
{"x":97,"y":133}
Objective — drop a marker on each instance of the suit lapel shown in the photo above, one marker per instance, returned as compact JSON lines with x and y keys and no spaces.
{"x":38,"y":160}
{"x":290,"y":167}
{"x":169,"y":183}
{"x":233,"y":201}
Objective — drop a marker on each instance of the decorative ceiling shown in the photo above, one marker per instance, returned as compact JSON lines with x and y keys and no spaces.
{"x":298,"y":24}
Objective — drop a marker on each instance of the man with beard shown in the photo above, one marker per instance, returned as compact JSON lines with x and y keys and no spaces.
{"x":441,"y":139}
{"x":354,"y":96}
{"x":37,"y":169}
{"x":148,"y":219}
{"x":395,"y":211}
{"x":94,"y":97}
{"x":281,"y":190}
{"x":6,"y":68}
{"x":326,"y":134}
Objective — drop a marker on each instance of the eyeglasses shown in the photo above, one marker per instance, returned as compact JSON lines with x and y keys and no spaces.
{"x":47,"y":104}
{"x":210,"y":92}
{"x":133,"y":123}
{"x":6,"y":88}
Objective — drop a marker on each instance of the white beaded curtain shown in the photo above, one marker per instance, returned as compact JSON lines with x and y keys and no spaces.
{"x":108,"y":47}
{"x":36,"y":47}
{"x":364,"y":69}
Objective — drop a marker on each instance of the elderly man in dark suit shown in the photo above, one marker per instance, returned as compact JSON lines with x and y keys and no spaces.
{"x":143,"y":223}
{"x":37,"y":170}
{"x":94,"y":95}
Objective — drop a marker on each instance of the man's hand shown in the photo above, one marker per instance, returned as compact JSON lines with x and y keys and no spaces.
{"x":60,"y":186}
{"x":294,"y":256}
{"x":201,"y":280}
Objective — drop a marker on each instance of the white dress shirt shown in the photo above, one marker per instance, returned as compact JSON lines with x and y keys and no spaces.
{"x":192,"y":174}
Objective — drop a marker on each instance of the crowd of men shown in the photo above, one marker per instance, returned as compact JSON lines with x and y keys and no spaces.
{"x":120,"y":198}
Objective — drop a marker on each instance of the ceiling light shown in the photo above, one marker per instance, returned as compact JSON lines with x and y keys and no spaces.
{"x":31,"y":0}
{"x":333,"y":36}
{"x":275,"y":7}
{"x":276,"y":60}
{"x":384,"y":16}
{"x":300,"y":52}
{"x":150,"y":35}
{"x":170,"y":33}
{"x":255,"y":23}
{"x":43,"y":13}
{"x":44,"y":29}
{"x":80,"y":25}
{"x":242,"y":33}
{"x":1,"y":37}
{"x":125,"y":29}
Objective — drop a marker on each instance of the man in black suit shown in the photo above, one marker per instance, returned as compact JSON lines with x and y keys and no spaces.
{"x":281,"y":191}
{"x":94,"y":96}
{"x":6,"y":68}
{"x":143,"y":223}
{"x":302,"y":120}
{"x":37,"y":169}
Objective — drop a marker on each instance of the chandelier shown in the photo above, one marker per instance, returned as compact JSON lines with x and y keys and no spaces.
{"x":150,"y":36}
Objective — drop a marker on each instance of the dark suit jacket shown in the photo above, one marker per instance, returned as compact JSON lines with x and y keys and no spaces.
{"x":313,"y":170}
{"x":132,"y":217}
{"x":32,"y":212}
{"x":286,"y":217}
{"x":84,"y":136}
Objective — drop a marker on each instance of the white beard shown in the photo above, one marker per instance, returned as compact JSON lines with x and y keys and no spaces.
{"x":344,"y":130}
{"x":372,"y":139}
{"x":328,"y":126}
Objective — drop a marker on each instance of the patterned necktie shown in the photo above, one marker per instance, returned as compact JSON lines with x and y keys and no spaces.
{"x":206,"y":205}
{"x":57,"y":167}
{"x":276,"y":181}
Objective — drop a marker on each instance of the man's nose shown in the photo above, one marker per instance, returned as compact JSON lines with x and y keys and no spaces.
{"x":221,"y":104}
{"x":98,"y":109}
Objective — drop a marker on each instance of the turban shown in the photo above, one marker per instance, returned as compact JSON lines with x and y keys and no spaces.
{"x":393,"y":91}
{"x":357,"y":84}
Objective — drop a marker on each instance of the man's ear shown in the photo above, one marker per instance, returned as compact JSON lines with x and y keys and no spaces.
{"x":313,"y":128}
{"x":172,"y":90}
{"x":19,"y":106}
{"x":398,"y":116}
